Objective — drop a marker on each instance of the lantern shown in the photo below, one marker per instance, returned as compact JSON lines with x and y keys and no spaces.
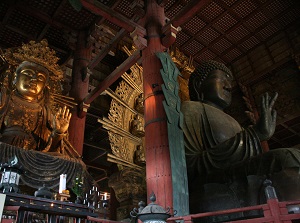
{"x":11,"y":172}
{"x":152,"y":213}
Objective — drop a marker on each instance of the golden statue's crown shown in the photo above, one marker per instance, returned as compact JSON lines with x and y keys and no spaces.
{"x":38,"y":53}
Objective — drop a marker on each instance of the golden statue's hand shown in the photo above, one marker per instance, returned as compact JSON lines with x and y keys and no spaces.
{"x":62,"y":120}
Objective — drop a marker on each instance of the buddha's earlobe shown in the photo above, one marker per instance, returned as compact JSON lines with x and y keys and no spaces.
{"x":201,"y":97}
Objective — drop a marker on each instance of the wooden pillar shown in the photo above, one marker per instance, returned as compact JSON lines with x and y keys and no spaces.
{"x":158,"y":168}
{"x":79,"y":90}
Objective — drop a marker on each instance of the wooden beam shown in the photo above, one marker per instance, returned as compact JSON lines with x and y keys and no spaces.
{"x":112,"y":77}
{"x":107,"y":48}
{"x":109,"y":14}
{"x":101,"y":20}
{"x":47,"y":26}
{"x":188,"y":12}
{"x":98,"y":167}
{"x":97,"y":157}
{"x":120,"y":35}
{"x":101,"y":179}
{"x":96,"y":147}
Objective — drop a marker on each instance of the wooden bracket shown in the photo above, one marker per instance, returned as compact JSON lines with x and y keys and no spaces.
{"x":169,"y":35}
{"x":138,"y":37}
{"x":83,"y":109}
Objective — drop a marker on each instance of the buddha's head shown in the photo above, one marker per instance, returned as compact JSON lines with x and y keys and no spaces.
{"x":211,"y":82}
{"x":34,"y":65}
{"x":31,"y":80}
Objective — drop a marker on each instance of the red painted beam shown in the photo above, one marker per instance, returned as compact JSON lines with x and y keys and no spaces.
{"x":188,"y":12}
{"x":130,"y":61}
{"x":109,"y":14}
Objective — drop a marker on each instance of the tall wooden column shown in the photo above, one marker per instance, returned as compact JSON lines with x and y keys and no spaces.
{"x":158,"y":168}
{"x":79,"y":90}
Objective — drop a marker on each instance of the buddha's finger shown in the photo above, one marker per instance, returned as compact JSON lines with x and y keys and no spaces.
{"x":69,"y":117}
{"x":64,"y":111}
{"x":267,"y":99}
{"x":272,"y":101}
{"x":58,"y":113}
{"x":274,"y":115}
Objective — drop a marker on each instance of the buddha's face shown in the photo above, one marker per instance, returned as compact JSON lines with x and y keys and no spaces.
{"x":216,"y":89}
{"x":31,"y":80}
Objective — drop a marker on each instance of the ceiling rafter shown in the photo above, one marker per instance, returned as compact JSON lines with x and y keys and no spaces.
{"x":119,"y":36}
{"x":244,"y":38}
{"x":112,"y":77}
{"x":268,"y":52}
{"x":290,"y":129}
{"x":262,"y":27}
{"x":101,"y":20}
{"x":187,"y":12}
{"x":111,"y":15}
{"x":259,"y":76}
{"x":19,"y":31}
{"x":47,"y":26}
{"x":209,"y":24}
{"x":241,"y":21}
{"x":280,"y":142}
{"x":8,"y":13}
{"x":174,"y":5}
{"x":43,"y":17}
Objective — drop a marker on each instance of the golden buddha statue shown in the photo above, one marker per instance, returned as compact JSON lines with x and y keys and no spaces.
{"x":29,"y":118}
{"x":139,"y":156}
{"x":139,"y":103}
{"x":137,"y":126}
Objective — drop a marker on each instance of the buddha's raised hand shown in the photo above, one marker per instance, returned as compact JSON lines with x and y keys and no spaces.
{"x":266,"y":124}
{"x":62,"y":120}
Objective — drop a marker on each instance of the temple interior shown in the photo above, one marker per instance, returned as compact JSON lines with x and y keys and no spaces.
{"x":103,"y":48}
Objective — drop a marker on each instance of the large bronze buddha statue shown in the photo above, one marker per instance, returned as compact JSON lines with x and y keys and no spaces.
{"x":27,"y":116}
{"x":225,"y":159}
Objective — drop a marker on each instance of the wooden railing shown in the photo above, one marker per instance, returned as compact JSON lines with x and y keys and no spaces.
{"x":273,"y":211}
{"x":24,"y":206}
{"x":21,"y":208}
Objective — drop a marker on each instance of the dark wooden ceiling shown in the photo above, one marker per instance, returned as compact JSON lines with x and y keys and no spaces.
{"x":258,"y":39}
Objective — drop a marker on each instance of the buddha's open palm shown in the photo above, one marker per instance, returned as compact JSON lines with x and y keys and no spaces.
{"x":266,"y":124}
{"x":62,"y":120}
